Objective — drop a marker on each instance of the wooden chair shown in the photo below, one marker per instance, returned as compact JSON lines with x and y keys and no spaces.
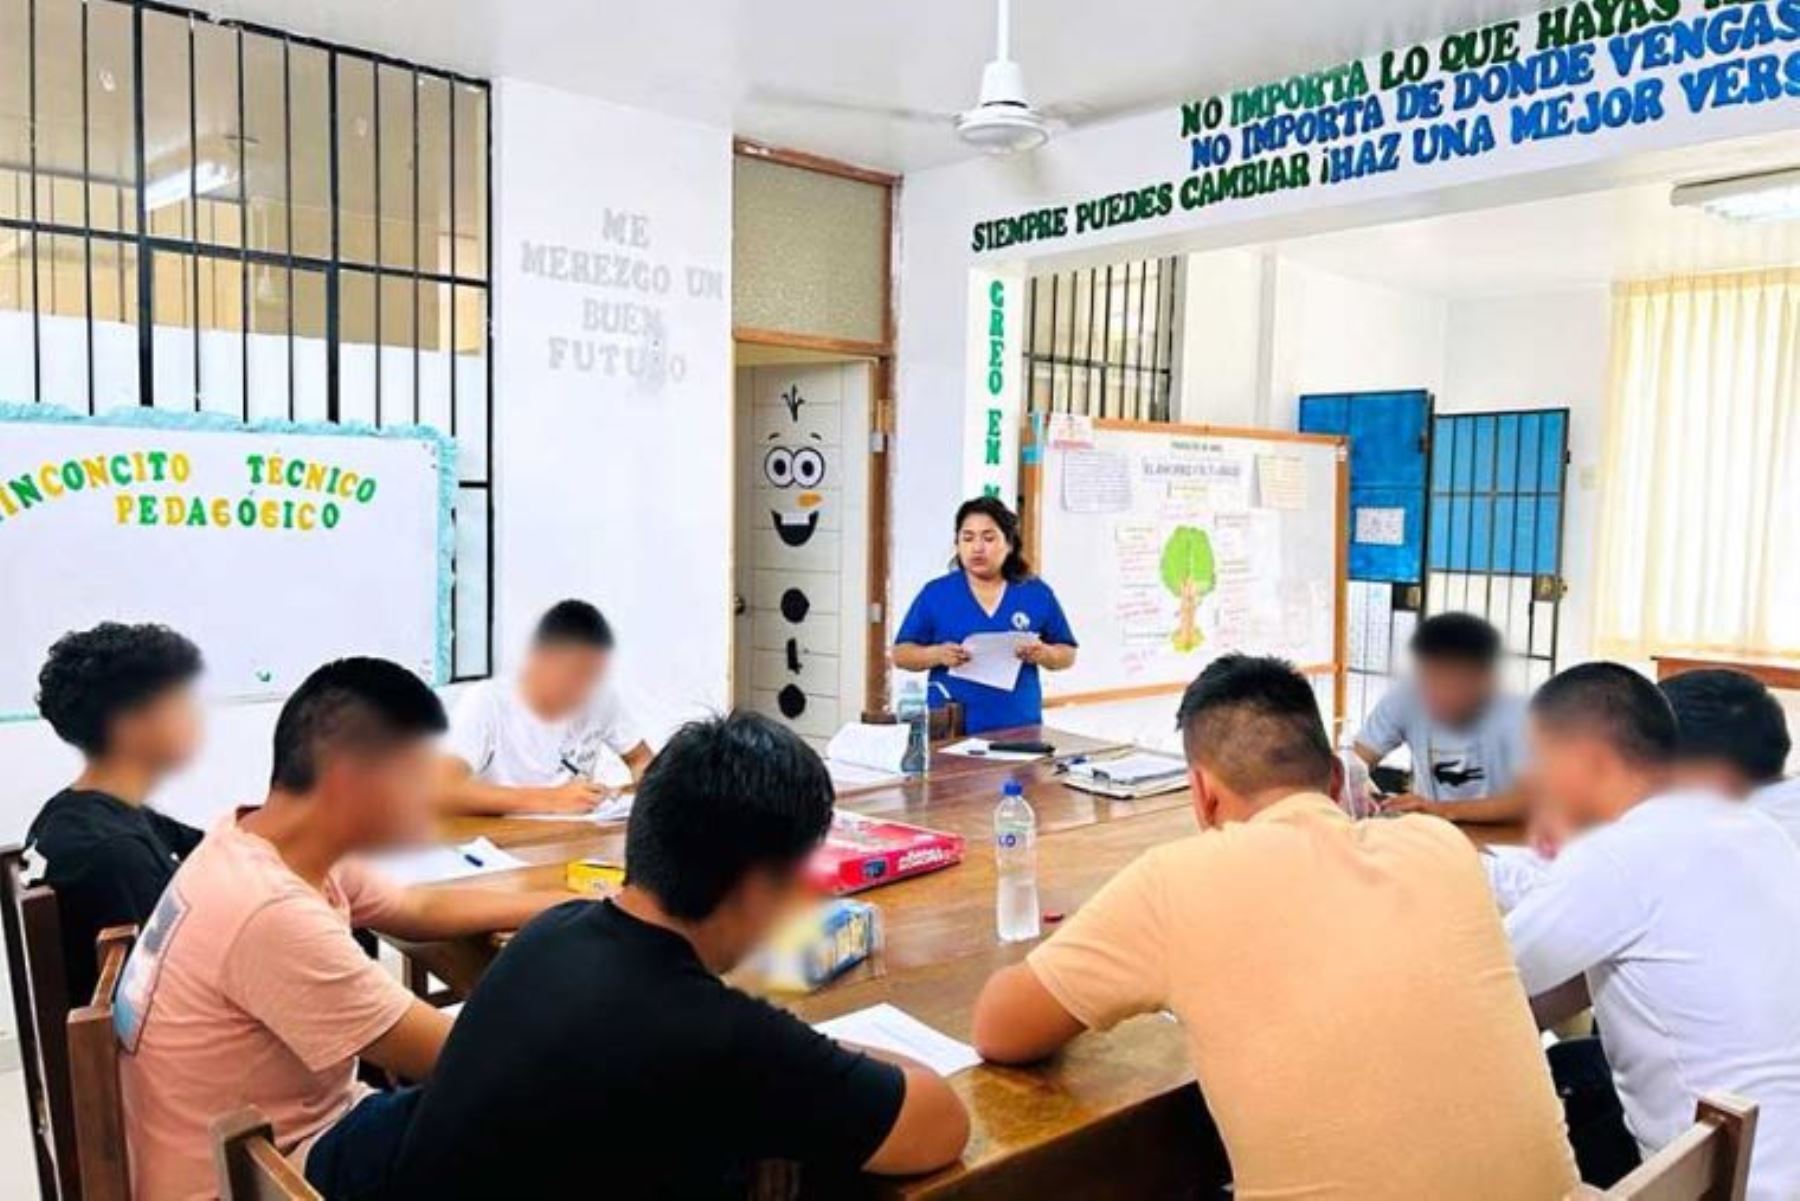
{"x":1710,"y":1161}
{"x":94,"y":1077}
{"x":250,"y":1168}
{"x":40,"y":994}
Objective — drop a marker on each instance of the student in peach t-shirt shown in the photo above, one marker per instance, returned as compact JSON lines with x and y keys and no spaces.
{"x":247,"y":988}
{"x":1351,"y":1007}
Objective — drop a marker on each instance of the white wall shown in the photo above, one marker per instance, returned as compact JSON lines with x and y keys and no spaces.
{"x":1544,"y":350}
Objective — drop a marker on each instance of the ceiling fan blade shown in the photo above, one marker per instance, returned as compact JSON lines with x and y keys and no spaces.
{"x":798,"y":98}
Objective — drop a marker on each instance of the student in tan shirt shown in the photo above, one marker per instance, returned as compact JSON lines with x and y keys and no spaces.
{"x":1352,"y":1010}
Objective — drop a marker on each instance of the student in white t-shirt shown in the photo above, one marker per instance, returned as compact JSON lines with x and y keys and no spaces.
{"x":1734,"y":740}
{"x":1465,"y":732}
{"x":1675,"y":911}
{"x":533,"y":744}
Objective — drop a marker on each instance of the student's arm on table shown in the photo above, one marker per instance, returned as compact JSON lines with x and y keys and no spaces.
{"x":1105,"y":964}
{"x":410,"y":1048}
{"x":909,"y":656}
{"x":461,"y":792}
{"x":425,"y":914}
{"x":931,"y":1129}
{"x":1508,"y":806}
{"x":1580,"y":915}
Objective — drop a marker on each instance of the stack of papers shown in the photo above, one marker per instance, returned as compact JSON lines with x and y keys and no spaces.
{"x":617,"y":809}
{"x":433,"y":865}
{"x":993,"y":659}
{"x":886,"y":1028}
{"x":862,"y":755}
{"x":1129,"y":777}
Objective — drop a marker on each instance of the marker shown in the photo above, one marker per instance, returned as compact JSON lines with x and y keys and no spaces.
{"x":473,"y":860}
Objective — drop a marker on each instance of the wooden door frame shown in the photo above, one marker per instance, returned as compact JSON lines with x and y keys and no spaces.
{"x":881,"y":401}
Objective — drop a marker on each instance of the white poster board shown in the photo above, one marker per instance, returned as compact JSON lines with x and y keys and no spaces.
{"x":274,"y":547}
{"x":1169,"y":547}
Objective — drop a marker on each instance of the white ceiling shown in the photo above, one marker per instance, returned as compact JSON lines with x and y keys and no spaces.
{"x":1586,"y":240}
{"x":729,"y":61}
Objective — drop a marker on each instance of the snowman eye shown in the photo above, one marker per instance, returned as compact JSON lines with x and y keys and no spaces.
{"x":809,"y":468}
{"x":778,"y":467}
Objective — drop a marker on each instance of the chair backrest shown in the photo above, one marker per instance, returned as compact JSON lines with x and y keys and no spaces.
{"x":1709,"y":1161}
{"x":250,"y":1168}
{"x":94,"y":1077}
{"x":40,"y":994}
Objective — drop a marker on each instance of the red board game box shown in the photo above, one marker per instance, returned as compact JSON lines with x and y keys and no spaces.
{"x":863,"y":852}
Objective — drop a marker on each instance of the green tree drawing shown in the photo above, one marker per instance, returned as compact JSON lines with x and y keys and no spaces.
{"x":1187,"y":572}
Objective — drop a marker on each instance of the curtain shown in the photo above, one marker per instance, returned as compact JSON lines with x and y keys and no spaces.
{"x":1700,"y":488}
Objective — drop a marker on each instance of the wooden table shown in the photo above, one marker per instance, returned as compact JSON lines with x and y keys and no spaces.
{"x":1774,"y":673}
{"x":1116,"y":1111}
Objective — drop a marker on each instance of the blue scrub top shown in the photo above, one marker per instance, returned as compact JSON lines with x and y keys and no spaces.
{"x":946,"y":611}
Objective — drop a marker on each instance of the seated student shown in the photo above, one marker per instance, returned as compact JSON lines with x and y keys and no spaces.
{"x":121,"y":695}
{"x":1466,"y":735}
{"x":1734,"y":740}
{"x":1355,"y":1023}
{"x":1675,"y":912}
{"x":602,"y":1046}
{"x":531,"y":745}
{"x":246,"y":988}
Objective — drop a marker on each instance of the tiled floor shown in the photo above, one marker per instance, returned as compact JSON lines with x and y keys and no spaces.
{"x":18,"y":1166}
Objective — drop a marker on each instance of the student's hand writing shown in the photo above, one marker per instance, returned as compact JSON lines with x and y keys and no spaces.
{"x":951,"y":654}
{"x":571,"y":796}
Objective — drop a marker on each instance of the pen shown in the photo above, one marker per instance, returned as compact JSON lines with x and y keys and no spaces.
{"x":473,"y":859}
{"x":573,"y":770}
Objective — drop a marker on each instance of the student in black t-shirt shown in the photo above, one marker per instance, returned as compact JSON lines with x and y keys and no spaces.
{"x":602,"y":1053}
{"x":122,"y":695}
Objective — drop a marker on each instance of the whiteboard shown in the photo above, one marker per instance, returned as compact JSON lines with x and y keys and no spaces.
{"x":147,"y":515}
{"x":1172,"y":545}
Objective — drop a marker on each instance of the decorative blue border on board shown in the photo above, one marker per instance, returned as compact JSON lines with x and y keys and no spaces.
{"x":145,"y":417}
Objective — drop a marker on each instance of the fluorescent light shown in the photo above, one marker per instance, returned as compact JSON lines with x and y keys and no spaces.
{"x":208,"y":175}
{"x":1771,"y":196}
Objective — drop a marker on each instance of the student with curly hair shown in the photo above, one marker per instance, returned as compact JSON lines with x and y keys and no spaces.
{"x":122,"y":695}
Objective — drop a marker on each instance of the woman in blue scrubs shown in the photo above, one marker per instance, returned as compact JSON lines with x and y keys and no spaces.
{"x":988,"y":590}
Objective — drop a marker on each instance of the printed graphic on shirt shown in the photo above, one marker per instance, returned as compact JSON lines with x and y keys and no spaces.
{"x":1458,"y":771}
{"x":137,"y":983}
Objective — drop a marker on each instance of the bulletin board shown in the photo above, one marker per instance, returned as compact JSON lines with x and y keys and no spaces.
{"x":1171,"y":545}
{"x":275,"y":547}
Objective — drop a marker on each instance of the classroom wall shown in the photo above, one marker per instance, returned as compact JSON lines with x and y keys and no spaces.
{"x":1543,"y":350}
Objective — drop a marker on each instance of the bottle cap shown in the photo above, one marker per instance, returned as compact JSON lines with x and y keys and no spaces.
{"x":1012,"y":788}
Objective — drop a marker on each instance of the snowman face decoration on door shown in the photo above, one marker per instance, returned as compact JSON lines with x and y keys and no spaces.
{"x":788,"y":467}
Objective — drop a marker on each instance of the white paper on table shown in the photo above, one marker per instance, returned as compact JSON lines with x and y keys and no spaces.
{"x":614,"y":809}
{"x":859,"y":744}
{"x":993,"y":659}
{"x":887,"y":1028}
{"x":1512,"y":872}
{"x":980,"y":748}
{"x":432,"y":865}
{"x":846,"y":776}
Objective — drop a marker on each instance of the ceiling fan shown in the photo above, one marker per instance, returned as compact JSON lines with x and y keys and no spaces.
{"x":1002,"y":121}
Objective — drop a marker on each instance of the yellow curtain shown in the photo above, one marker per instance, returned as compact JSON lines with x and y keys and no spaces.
{"x":1700,"y":516}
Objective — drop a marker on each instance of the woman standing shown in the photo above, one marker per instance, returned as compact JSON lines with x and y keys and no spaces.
{"x":988,"y":590}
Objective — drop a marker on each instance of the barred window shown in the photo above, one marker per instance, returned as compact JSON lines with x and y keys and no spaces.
{"x":1100,"y":340}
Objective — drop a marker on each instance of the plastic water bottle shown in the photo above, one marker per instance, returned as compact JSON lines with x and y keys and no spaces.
{"x":915,"y":714}
{"x":1015,"y":861}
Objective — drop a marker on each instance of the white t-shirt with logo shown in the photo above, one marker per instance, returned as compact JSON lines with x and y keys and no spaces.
{"x":1682,"y":915}
{"x":1781,"y":801}
{"x":495,"y":732}
{"x":1468,"y":763}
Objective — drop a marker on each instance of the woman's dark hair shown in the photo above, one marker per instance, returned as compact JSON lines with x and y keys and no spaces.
{"x":93,"y":676}
{"x":1015,"y":568}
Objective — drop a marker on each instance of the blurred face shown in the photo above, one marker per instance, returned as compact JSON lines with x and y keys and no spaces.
{"x":1570,"y":774}
{"x":163,"y":733}
{"x":560,"y":677}
{"x":761,"y":899}
{"x":981,"y":548}
{"x":1454,"y":693}
{"x":381,"y":798}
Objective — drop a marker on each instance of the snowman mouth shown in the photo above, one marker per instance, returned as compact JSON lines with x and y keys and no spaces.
{"x":796,"y":530}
